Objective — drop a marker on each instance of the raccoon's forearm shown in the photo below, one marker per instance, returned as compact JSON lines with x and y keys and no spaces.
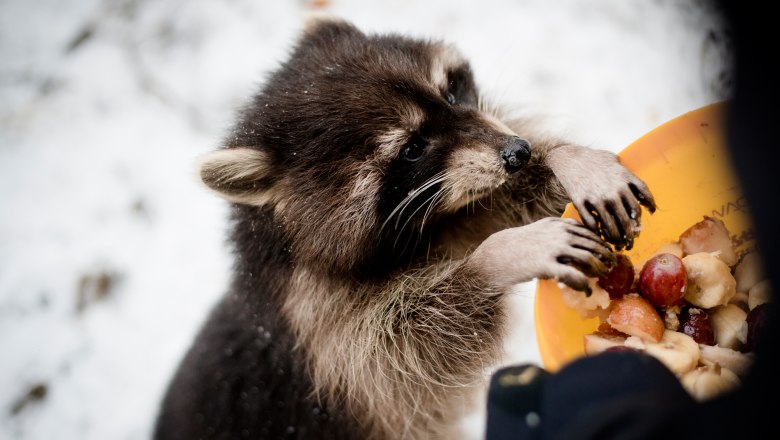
{"x":567,"y":160}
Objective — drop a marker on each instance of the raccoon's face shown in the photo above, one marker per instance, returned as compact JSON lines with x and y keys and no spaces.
{"x":357,"y":141}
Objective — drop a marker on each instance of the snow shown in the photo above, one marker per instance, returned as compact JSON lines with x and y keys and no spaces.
{"x":105,"y":107}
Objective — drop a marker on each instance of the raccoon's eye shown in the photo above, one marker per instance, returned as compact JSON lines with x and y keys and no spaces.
{"x":414,"y":149}
{"x":450,"y":98}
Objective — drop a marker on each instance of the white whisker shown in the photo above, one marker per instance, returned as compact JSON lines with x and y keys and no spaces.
{"x":426,"y":202}
{"x":439,"y":196}
{"x":398,"y":211}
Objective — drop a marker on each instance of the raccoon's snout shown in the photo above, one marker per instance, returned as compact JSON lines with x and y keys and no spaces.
{"x":515,"y":154}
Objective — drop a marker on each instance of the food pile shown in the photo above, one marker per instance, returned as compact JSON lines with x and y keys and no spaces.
{"x":695,"y":305}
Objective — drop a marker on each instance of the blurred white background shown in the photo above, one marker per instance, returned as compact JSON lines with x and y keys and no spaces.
{"x":111,"y":253}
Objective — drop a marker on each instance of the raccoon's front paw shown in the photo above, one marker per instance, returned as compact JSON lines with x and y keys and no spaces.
{"x":551,"y":248}
{"x":606,"y":194}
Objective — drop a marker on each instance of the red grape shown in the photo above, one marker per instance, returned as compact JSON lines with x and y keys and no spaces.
{"x":617,"y":282}
{"x":696,"y":323}
{"x":662,"y":280}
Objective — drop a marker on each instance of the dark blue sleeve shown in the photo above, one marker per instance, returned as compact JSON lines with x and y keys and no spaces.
{"x":613,"y":395}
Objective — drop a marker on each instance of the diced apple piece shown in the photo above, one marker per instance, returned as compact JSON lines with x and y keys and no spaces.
{"x":709,"y":235}
{"x":634,"y":316}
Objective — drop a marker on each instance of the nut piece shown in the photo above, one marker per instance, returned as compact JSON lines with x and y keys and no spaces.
{"x":709,"y":235}
{"x":710,"y":283}
{"x":634,"y":316}
{"x":672,"y":318}
{"x":728,"y":324}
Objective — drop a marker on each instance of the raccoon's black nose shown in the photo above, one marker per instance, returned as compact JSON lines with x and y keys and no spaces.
{"x":515,"y":154}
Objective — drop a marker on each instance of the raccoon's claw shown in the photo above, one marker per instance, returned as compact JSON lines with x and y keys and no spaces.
{"x":612,"y":221}
{"x":617,"y":220}
{"x":587,"y":256}
{"x":576,"y":281}
{"x":608,"y":197}
{"x":643,"y":195}
{"x":585,"y":239}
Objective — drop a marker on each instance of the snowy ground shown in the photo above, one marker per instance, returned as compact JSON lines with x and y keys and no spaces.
{"x":110,"y":251}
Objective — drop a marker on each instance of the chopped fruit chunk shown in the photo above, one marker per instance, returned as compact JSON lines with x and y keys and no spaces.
{"x":749,"y":271}
{"x":696,"y":324}
{"x":727,"y":323}
{"x":678,"y":351}
{"x":709,"y":235}
{"x":760,"y":293}
{"x":588,"y":306}
{"x":634,"y":316}
{"x":735,"y":361}
{"x":706,"y":382}
{"x":596,"y":343}
{"x":710,"y":283}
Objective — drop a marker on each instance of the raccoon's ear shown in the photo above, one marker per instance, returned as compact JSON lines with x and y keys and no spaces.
{"x":328,"y":26}
{"x":241,"y":174}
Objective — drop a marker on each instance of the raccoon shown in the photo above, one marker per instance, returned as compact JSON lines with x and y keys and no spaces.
{"x":381,"y":211}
